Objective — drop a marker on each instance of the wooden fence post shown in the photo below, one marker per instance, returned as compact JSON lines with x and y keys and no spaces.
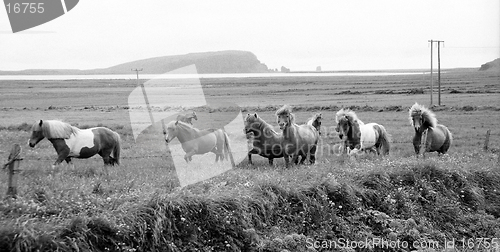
{"x":13,"y":165}
{"x":487,"y":140}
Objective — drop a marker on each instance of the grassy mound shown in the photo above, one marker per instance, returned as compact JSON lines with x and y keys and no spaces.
{"x":305,"y":208}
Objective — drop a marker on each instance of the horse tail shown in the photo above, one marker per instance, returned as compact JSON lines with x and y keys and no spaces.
{"x":116,"y":149}
{"x":227,"y":148}
{"x":383,"y":140}
{"x":448,"y":141}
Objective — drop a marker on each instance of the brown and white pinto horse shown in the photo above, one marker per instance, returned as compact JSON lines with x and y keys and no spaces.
{"x":72,"y":142}
{"x":358,"y":136}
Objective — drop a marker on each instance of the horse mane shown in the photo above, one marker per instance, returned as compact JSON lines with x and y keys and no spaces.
{"x":311,"y":120}
{"x":286,"y":110}
{"x":53,"y":129}
{"x":421,"y":110}
{"x":261,"y":121}
{"x":178,"y":122}
{"x":349,"y":114}
{"x":314,"y":117}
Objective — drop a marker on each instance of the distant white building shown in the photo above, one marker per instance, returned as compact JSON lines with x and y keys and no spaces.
{"x":318,"y":69}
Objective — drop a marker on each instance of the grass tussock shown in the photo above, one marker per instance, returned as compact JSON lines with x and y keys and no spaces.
{"x":405,"y":200}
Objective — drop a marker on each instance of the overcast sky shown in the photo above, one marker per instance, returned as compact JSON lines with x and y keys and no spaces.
{"x":336,"y":35}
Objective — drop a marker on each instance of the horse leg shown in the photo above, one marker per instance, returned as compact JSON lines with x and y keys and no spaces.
{"x":295,"y":158}
{"x":250,"y":158}
{"x":271,"y":161}
{"x":312,"y":155}
{"x":303,"y":158}
{"x":189,"y":156}
{"x":70,"y":163}
{"x":287,"y":160}
{"x":354,"y":152}
{"x":62,"y":155}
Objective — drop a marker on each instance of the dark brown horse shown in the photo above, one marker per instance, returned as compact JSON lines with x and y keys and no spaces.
{"x":265,"y":141}
{"x":298,"y":140}
{"x":438,"y":137}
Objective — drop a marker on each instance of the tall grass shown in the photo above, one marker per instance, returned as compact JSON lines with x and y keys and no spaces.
{"x":139,"y":206}
{"x":268,"y":209}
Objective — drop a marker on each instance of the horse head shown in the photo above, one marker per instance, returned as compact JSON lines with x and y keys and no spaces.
{"x":251,"y":123}
{"x":343,"y":127}
{"x":421,"y":117}
{"x":171,"y":131}
{"x":285,"y":120}
{"x":317,"y":122}
{"x":285,"y":117}
{"x":36,"y":134}
{"x":348,"y":127}
{"x":417,"y":121}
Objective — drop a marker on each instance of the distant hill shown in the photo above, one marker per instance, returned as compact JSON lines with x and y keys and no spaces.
{"x":491,"y":66}
{"x":206,"y":62}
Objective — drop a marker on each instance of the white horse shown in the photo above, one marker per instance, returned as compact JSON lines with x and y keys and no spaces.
{"x":197,"y":142}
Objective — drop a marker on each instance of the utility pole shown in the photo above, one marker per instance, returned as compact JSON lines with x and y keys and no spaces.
{"x":432,"y":80}
{"x":145,"y":96}
{"x":439,"y":72}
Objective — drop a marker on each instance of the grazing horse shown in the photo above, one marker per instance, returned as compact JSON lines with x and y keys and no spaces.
{"x":197,"y":142}
{"x":438,"y":138}
{"x":188,"y":118}
{"x":72,"y":142}
{"x":315,"y":121}
{"x":358,"y":136}
{"x":298,"y":140}
{"x":265,"y":141}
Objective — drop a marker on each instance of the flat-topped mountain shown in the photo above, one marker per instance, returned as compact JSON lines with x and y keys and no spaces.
{"x":491,"y":66}
{"x":206,"y":62}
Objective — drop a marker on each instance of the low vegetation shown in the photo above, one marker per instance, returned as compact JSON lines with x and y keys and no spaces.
{"x":410,"y":203}
{"x":253,"y":208}
{"x":398,"y":199}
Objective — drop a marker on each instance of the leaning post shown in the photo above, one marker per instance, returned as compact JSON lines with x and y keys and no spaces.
{"x":13,"y":168}
{"x":487,"y":140}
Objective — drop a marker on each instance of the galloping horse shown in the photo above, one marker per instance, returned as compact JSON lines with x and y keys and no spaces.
{"x":315,"y":121}
{"x":265,"y":141}
{"x":188,"y":118}
{"x":438,"y":138}
{"x":298,"y":140}
{"x":72,"y":142}
{"x":358,"y":136}
{"x":195,"y":141}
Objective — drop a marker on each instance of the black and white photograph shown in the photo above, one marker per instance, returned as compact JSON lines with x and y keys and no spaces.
{"x":266,"y":126}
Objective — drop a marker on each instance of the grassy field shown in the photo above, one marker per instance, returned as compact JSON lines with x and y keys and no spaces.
{"x":139,"y":206}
